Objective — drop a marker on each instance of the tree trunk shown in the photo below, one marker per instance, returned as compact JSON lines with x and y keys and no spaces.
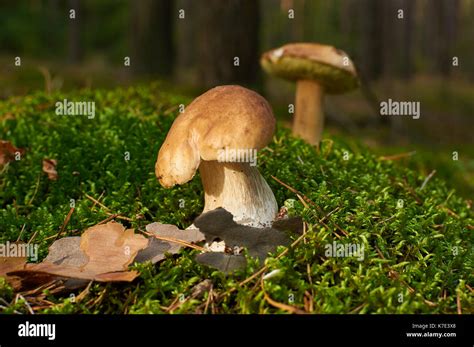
{"x":227,"y":42}
{"x":372,"y":33}
{"x":408,"y":38}
{"x":74,"y":32}
{"x":152,"y":37}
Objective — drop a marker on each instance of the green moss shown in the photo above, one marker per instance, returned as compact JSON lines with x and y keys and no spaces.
{"x":418,"y":257}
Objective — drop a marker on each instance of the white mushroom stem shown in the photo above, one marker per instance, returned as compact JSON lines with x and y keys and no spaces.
{"x":241,"y":190}
{"x":309,"y":117}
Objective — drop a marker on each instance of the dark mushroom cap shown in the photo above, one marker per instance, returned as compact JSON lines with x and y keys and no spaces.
{"x":312,"y":61}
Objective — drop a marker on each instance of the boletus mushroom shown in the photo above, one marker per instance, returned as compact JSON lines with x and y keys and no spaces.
{"x":219,"y":133}
{"x":317,"y":69}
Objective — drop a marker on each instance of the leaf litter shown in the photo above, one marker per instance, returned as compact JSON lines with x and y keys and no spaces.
{"x":104,"y":252}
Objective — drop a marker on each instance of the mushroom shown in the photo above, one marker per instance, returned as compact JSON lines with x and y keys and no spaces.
{"x":317,"y":69}
{"x":219,"y":134}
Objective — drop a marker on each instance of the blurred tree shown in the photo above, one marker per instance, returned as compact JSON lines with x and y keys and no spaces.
{"x":441,"y":27}
{"x":152,"y":37}
{"x":409,"y":31}
{"x":227,"y":41}
{"x":74,"y":32}
{"x":371,"y":54}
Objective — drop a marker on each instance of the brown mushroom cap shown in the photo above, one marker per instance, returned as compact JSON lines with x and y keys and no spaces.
{"x":312,"y":61}
{"x":223,"y":118}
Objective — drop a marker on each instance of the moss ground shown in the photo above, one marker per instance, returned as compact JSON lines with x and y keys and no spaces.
{"x":418,"y":242}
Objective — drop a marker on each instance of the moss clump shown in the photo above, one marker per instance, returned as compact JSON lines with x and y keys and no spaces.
{"x":418,"y":242}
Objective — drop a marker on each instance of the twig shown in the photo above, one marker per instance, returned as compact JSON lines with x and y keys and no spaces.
{"x":397,"y":156}
{"x":171,"y":239}
{"x":458,"y":303}
{"x":110,"y":214}
{"x":209,"y":296}
{"x":19,"y":296}
{"x":55,"y":235}
{"x":21,"y":232}
{"x":427,"y":179}
{"x":289,"y":308}
{"x":66,"y":221}
{"x":98,"y":199}
{"x":96,"y":202}
{"x":357,"y":308}
{"x":33,"y":237}
{"x":120,"y":217}
{"x":108,"y":219}
{"x":84,"y":293}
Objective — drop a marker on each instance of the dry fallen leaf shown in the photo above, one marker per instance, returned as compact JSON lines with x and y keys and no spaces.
{"x":49,"y":167}
{"x":67,"y":251}
{"x":9,"y":264}
{"x":157,"y":248}
{"x":102,"y":254}
{"x":118,"y":247}
{"x":8,"y":152}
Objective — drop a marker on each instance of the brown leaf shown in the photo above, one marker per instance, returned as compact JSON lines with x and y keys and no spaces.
{"x":49,"y":167}
{"x":110,"y":247}
{"x":157,"y":248}
{"x":52,"y":271}
{"x":102,"y":254}
{"x":67,"y":251}
{"x":8,"y":152}
{"x":9,"y":264}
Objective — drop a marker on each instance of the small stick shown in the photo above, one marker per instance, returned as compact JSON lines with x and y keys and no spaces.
{"x":397,"y":156}
{"x":458,"y":303}
{"x":100,"y":197}
{"x":171,"y":239}
{"x":427,"y":179}
{"x":66,"y":221}
{"x":96,"y":201}
{"x":55,"y":235}
{"x":32,"y":237}
{"x":21,"y":232}
{"x":120,"y":217}
{"x":289,"y":308}
{"x":19,"y":296}
{"x":109,"y":218}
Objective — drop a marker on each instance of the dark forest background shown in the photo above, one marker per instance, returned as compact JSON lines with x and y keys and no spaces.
{"x":190,"y":46}
{"x":161,"y":42}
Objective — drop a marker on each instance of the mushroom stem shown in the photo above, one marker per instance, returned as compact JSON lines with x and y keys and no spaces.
{"x":309,"y":117}
{"x":241,"y":190}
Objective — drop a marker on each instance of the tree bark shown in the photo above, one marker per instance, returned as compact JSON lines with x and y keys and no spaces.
{"x":74,"y":32}
{"x":227,"y":30}
{"x":152,"y":37}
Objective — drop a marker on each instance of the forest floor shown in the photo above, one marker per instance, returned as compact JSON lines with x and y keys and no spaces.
{"x":416,"y":229}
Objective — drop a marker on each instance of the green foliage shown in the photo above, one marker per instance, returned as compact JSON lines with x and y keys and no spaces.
{"x":418,"y":242}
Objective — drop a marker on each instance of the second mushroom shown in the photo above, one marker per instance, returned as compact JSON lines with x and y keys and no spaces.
{"x":317,"y":69}
{"x":219,"y":134}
